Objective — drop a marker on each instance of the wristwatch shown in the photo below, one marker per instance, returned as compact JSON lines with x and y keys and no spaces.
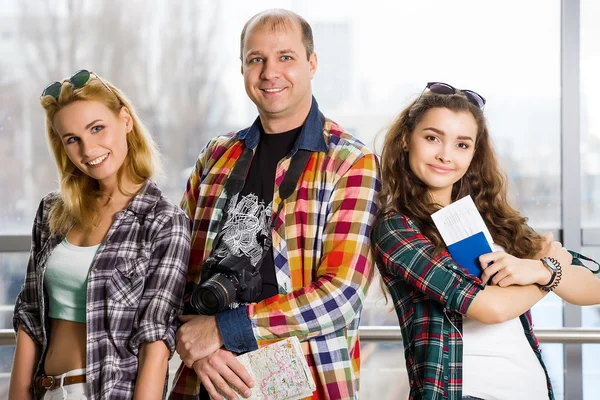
{"x":555,"y":269}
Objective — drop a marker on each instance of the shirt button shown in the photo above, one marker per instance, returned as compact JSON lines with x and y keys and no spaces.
{"x":91,"y":379}
{"x":91,"y":340}
{"x":241,"y":347}
{"x":90,"y":308}
{"x":94,"y":270}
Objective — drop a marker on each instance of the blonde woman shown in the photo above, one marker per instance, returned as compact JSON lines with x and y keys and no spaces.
{"x":96,"y":317}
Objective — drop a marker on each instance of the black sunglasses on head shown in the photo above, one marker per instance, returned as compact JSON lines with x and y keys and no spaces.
{"x":444,"y":88}
{"x":77,"y":80}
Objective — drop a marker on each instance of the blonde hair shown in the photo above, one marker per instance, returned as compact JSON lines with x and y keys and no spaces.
{"x":78,"y":202}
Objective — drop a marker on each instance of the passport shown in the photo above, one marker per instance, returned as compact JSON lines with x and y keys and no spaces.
{"x":464,"y":233}
{"x":466,"y":252}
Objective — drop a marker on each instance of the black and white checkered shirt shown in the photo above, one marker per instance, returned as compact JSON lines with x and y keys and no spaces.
{"x":134,"y":292}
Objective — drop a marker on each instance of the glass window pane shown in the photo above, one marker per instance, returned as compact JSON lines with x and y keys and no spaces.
{"x":590,"y":318}
{"x":590,"y":172}
{"x":12,"y":274}
{"x":590,"y":117}
{"x":373,"y":58}
{"x":6,"y":357}
{"x":383,"y":371}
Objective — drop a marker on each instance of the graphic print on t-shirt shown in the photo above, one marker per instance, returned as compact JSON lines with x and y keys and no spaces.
{"x":246,"y":227}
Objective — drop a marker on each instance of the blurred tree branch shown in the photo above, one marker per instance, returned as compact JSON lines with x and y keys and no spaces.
{"x":163,"y":54}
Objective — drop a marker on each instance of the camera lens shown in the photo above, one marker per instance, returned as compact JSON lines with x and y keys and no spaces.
{"x":209,"y":299}
{"x":214,"y":295}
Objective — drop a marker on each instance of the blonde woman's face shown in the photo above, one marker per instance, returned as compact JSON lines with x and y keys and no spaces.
{"x":440,"y":150}
{"x":94,"y":138}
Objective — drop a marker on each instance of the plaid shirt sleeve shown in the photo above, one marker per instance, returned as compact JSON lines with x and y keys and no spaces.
{"x":212,"y":151}
{"x":162,"y":300}
{"x":404,"y":252}
{"x":190,"y":196}
{"x":345,"y":270}
{"x":27,"y":310}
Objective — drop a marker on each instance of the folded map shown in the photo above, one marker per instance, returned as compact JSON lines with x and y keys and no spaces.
{"x":280,"y":371}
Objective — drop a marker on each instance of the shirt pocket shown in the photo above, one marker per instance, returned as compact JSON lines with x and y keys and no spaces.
{"x":126,"y":284}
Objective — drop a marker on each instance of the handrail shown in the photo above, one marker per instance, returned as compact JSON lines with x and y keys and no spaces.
{"x":392,"y":334}
{"x":544,"y":335}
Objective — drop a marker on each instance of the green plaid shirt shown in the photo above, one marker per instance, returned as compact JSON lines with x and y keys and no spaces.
{"x":430,"y":294}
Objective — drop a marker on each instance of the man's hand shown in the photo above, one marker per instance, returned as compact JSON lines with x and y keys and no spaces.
{"x":221,"y":369}
{"x":197,"y":338}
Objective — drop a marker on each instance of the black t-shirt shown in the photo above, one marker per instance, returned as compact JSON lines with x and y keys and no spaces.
{"x":257,"y":196}
{"x":260,"y":182}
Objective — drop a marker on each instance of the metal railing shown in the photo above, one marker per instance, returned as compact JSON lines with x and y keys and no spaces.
{"x":544,"y":335}
{"x":392,"y":334}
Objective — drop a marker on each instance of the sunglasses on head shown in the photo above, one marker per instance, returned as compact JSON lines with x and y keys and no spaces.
{"x":77,"y":80}
{"x":444,"y":88}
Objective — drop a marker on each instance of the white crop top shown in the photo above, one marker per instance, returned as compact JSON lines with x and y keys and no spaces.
{"x":66,"y":280}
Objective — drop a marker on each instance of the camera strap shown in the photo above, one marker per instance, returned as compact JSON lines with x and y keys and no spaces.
{"x":287,"y":187}
{"x":235,"y":184}
{"x":236,"y":180}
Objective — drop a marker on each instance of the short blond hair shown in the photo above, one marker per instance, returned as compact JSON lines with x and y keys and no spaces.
{"x":278,"y":19}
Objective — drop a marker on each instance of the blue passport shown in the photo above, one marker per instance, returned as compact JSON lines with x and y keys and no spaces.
{"x":466,"y":252}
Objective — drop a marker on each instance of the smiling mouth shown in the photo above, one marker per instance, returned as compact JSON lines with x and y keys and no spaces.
{"x":273,"y":90}
{"x":97,"y":161}
{"x":440,"y":169}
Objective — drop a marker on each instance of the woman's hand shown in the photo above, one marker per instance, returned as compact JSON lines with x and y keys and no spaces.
{"x":554,"y":249}
{"x":506,"y":270}
{"x":558,"y":252}
{"x":545,"y":249}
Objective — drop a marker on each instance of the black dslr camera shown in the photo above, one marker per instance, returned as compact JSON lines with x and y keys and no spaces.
{"x":223,"y":281}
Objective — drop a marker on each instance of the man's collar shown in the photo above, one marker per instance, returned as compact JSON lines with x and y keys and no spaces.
{"x":310,"y":138}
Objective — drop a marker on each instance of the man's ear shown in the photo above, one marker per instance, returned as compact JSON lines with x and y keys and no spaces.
{"x":313,"y":62}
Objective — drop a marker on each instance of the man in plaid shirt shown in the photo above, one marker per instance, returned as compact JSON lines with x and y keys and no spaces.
{"x":317,"y":271}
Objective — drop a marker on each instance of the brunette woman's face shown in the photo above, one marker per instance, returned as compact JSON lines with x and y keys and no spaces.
{"x":440,"y":150}
{"x":94,"y":138}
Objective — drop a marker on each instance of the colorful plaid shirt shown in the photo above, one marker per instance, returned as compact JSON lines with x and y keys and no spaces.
{"x":321,"y":252}
{"x":430,"y":294}
{"x":134,"y":291}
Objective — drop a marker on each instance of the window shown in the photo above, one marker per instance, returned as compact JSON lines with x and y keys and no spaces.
{"x":181,"y":66}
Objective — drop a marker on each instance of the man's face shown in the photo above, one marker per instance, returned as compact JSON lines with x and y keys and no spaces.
{"x":277,"y":74}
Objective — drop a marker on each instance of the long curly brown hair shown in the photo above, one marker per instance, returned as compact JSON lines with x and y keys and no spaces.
{"x":484,"y":180}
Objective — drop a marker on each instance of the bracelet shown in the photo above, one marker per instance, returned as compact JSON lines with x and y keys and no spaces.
{"x":554,"y":266}
{"x":550,"y":265}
